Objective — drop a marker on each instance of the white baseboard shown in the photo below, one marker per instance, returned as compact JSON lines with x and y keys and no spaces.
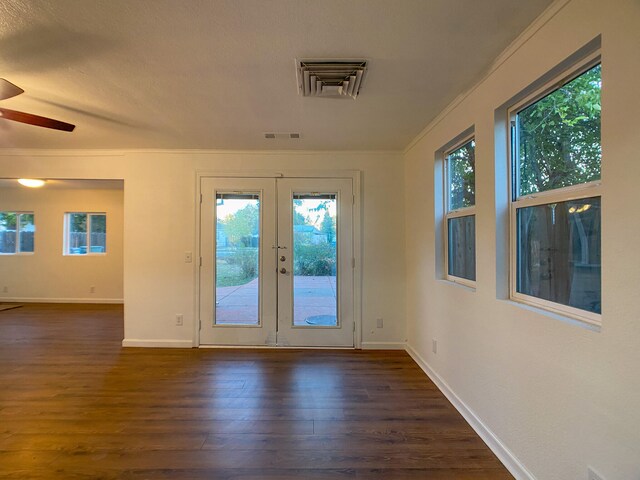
{"x":383,"y":345}
{"x":61,"y":300}
{"x":134,"y":342}
{"x":506,"y":456}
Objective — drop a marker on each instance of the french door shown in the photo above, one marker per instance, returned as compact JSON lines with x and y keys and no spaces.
{"x":277,"y":262}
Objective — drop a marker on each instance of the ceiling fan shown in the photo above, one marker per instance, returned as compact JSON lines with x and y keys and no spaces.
{"x":8,"y":90}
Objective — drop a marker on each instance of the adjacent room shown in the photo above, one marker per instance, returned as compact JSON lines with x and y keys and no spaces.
{"x":362,"y":239}
{"x":62,"y":242}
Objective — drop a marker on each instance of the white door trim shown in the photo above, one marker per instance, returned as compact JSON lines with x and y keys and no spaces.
{"x":354,"y":175}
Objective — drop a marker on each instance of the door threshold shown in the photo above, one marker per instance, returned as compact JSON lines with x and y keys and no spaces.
{"x":275,"y":347}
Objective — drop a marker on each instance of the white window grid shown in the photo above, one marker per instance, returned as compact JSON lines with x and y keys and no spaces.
{"x":450,"y":213}
{"x":67,"y":226}
{"x":573,"y":192}
{"x":18,"y":249}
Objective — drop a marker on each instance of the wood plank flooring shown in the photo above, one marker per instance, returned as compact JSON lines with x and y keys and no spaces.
{"x":74,"y":404}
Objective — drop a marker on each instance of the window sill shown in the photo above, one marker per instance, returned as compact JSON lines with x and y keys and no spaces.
{"x":464,"y":286}
{"x":555,"y":315}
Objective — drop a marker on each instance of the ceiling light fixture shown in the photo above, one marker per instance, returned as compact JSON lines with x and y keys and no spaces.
{"x":330,"y":78}
{"x":31,"y":182}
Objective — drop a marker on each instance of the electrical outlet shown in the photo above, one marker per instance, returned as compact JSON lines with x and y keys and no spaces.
{"x":188,"y":257}
{"x":434,"y":345}
{"x":92,"y":289}
{"x":593,"y":475}
{"x":179,"y":320}
{"x":5,"y":289}
{"x":379,"y":322}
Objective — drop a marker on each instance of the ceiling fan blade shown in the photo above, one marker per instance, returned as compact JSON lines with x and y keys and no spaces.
{"x":37,"y":120}
{"x":8,"y":89}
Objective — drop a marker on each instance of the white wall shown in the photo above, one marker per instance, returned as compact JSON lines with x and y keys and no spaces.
{"x":47,"y":274}
{"x":558,"y":396}
{"x":160,"y":225}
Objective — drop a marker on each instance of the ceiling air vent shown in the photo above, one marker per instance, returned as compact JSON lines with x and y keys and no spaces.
{"x":330,"y":78}
{"x":281,"y":135}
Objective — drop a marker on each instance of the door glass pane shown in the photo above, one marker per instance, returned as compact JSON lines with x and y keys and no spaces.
{"x":237,"y":258}
{"x":559,"y":253}
{"x":314,"y":260}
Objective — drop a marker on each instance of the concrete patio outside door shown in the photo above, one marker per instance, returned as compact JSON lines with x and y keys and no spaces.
{"x":315,"y":302}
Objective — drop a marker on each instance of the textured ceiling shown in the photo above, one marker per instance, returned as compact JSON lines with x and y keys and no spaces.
{"x":219,"y":73}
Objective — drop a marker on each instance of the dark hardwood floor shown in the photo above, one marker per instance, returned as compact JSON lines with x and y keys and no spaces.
{"x":74,"y":404}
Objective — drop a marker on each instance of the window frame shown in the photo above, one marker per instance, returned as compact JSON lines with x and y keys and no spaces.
{"x":456,"y":213}
{"x":563,"y":194}
{"x":18,"y":250}
{"x":67,"y":225}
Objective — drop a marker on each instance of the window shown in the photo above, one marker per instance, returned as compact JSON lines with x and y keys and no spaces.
{"x":460,"y":217}
{"x":17,"y":231}
{"x":556,"y":199}
{"x":85,"y":233}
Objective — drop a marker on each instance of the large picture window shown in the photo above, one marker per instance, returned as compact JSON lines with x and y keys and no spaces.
{"x":460,"y":217}
{"x":556,"y":200}
{"x":17,"y":232}
{"x":85,"y":233}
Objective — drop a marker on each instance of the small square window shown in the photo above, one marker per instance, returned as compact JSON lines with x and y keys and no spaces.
{"x":85,"y":233}
{"x":17,"y":232}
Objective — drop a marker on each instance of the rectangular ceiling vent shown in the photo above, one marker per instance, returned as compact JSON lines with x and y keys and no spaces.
{"x":281,"y":135}
{"x":330,"y":78}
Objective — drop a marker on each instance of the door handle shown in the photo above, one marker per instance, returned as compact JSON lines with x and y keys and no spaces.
{"x":283,"y":270}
